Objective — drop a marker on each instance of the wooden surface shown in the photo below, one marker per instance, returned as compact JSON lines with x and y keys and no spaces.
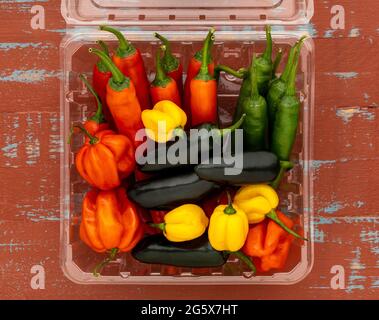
{"x":345,"y":159}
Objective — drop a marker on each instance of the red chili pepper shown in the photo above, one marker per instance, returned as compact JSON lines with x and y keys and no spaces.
{"x":100,"y":78}
{"x":203,"y":92}
{"x":164,"y":87}
{"x":129,"y":60}
{"x":122,"y":100}
{"x":171,"y":64}
{"x":97,"y":122}
{"x":193,"y":69}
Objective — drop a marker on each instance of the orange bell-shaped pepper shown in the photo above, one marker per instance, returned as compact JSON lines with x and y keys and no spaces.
{"x":105,"y":159}
{"x":110,"y":222}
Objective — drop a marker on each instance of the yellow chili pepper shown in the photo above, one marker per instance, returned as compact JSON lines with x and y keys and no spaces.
{"x":257,"y":201}
{"x":184,"y":223}
{"x":163,"y":121}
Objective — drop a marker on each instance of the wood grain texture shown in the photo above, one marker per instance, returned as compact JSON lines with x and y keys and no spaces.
{"x":345,"y":161}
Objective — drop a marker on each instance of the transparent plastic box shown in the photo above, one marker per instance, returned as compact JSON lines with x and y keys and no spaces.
{"x":239,"y":34}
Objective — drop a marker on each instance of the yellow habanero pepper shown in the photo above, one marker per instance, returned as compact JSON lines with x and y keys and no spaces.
{"x":259,"y":201}
{"x":163,"y":121}
{"x":256,"y":200}
{"x":184,"y":223}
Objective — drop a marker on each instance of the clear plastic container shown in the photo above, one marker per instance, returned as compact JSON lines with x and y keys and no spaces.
{"x":186,"y":25}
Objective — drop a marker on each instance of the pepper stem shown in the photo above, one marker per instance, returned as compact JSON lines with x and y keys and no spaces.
{"x":160,"y":226}
{"x":103,"y":46}
{"x":229,"y":209}
{"x":204,"y":72}
{"x":295,"y":51}
{"x":277,"y":61}
{"x":236,"y":73}
{"x":268,"y":52}
{"x":254,"y":81}
{"x":291,"y":88}
{"x":246,"y":260}
{"x":125,"y":48}
{"x":161,"y":79}
{"x":234,"y":126}
{"x":169,"y":61}
{"x":284,"y":166}
{"x":117,"y":75}
{"x":98,"y":117}
{"x":112,"y":254}
{"x":92,"y":139}
{"x":274,"y":217}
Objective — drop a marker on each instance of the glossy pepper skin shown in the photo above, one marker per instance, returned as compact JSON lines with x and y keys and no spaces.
{"x":256,"y":121}
{"x":278,"y":86}
{"x":203,"y":91}
{"x":184,"y":223}
{"x":193,"y":69}
{"x":286,"y":120}
{"x":97,"y":122}
{"x":164,"y":87}
{"x":105,"y":159}
{"x":129,"y":60}
{"x":110,"y":222}
{"x":257,"y":167}
{"x":269,"y":244}
{"x":164,"y":121}
{"x":208,"y":130}
{"x":197,"y":253}
{"x":122,"y":100}
{"x":171,"y":65}
{"x":100,"y":79}
{"x":256,"y":200}
{"x":264,"y":67}
{"x":228,"y":228}
{"x":171,"y":190}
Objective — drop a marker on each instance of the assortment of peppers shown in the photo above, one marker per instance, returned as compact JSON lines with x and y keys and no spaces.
{"x":199,"y":214}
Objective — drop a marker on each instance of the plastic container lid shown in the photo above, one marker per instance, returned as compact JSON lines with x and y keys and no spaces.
{"x":191,"y":12}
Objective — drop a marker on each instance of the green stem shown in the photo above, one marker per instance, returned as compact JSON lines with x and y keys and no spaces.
{"x":268,"y":52}
{"x":254,"y":81}
{"x":117,"y":75}
{"x":284,"y":166}
{"x":291,"y":88}
{"x":277,"y":61}
{"x":92,"y":139}
{"x":234,"y":126}
{"x":161,"y":226}
{"x":112,"y":254}
{"x":236,"y":73}
{"x":229,"y":210}
{"x":274,"y":217}
{"x":240,"y":255}
{"x":125,"y":48}
{"x":103,"y":46}
{"x":161,"y":79}
{"x":204,"y":72}
{"x":98,"y":117}
{"x":170,"y":62}
{"x":295,"y":50}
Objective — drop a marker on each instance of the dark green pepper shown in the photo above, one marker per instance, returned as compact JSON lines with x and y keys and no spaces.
{"x":264,"y":67}
{"x":255,"y":124}
{"x":257,"y":167}
{"x":278,"y":86}
{"x":197,"y":253}
{"x":157,"y":159}
{"x":169,"y":191}
{"x":286,"y":119}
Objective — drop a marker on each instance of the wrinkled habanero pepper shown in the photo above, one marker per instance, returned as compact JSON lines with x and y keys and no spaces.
{"x":164,"y":87}
{"x":164,"y":121}
{"x":269,"y":244}
{"x":97,"y":122}
{"x":184,"y":223}
{"x":105,"y":159}
{"x":110,"y":223}
{"x":259,"y":202}
{"x":129,"y":60}
{"x":122,"y":100}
